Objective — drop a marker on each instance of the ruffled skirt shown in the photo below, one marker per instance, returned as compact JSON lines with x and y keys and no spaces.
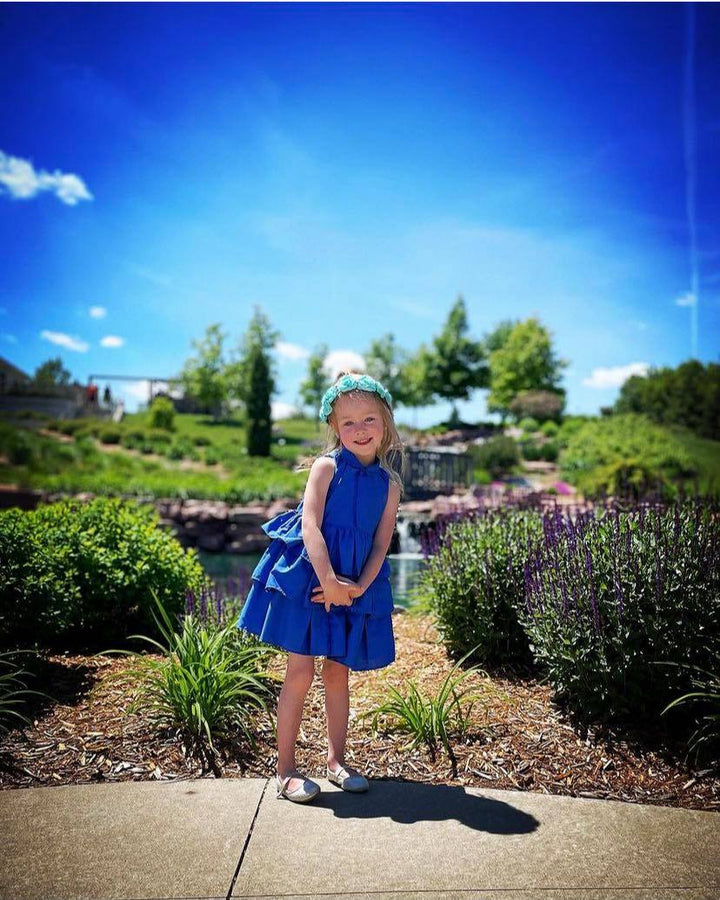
{"x":279,"y":609}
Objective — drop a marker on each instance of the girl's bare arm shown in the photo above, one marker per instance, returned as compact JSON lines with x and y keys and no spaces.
{"x":316,"y":489}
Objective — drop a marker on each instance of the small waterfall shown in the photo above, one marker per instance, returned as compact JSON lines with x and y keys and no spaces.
{"x":408,"y":542}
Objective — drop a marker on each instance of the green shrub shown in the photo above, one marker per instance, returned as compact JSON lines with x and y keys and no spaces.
{"x":182,"y":448}
{"x":475,"y":576}
{"x":158,"y":436}
{"x":481,"y":476}
{"x":211,"y":457}
{"x":18,"y":447}
{"x":110,"y":435}
{"x":174,"y":451}
{"x":497,"y":455}
{"x":530,"y":449}
{"x":625,"y":455}
{"x":71,"y":571}
{"x":550,"y":429}
{"x":162,"y":414}
{"x":201,"y":441}
{"x":617,"y":603}
{"x":529,"y":424}
{"x":549,"y":451}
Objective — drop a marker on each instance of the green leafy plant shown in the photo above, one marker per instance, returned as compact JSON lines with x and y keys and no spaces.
{"x":162,"y":414}
{"x":74,"y":570}
{"x":430,"y":719}
{"x":611,"y":594}
{"x":474,"y":576}
{"x":207,"y":682}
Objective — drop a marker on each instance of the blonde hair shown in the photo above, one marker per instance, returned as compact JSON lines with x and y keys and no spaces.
{"x":391,"y":443}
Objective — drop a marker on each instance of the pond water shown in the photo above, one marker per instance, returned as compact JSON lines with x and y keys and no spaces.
{"x":233,"y":571}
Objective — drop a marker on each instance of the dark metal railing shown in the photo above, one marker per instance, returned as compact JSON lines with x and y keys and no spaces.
{"x":432,"y":472}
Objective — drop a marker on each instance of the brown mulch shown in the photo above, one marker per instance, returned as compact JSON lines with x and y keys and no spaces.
{"x":519,"y":738}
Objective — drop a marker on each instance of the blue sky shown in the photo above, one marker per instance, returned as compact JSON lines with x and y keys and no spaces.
{"x":352,"y":168}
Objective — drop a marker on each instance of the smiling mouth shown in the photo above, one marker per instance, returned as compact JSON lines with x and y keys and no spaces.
{"x":362,"y":443}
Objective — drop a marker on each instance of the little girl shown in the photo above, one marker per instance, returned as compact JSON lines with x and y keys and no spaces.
{"x":322,"y":586}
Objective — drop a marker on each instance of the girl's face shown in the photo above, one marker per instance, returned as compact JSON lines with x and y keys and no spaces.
{"x":359,"y":425}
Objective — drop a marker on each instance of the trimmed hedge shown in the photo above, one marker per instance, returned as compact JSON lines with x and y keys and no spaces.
{"x":73,"y":572}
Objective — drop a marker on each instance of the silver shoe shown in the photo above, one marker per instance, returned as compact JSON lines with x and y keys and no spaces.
{"x":307,"y":790}
{"x":342,"y":778}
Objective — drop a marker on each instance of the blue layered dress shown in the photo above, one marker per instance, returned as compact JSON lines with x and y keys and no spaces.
{"x":278,"y":608}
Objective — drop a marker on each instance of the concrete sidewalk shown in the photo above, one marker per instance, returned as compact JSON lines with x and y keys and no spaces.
{"x":224,"y":838}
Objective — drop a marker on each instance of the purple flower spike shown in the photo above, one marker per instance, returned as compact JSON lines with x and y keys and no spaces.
{"x":203,"y":604}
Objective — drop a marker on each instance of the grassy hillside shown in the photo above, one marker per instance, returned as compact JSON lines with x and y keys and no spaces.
{"x":205,"y":459}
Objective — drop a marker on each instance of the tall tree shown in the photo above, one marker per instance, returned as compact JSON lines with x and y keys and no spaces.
{"x":498,"y":337}
{"x":384,"y":361}
{"x":316,"y":382}
{"x":415,"y":380}
{"x":52,"y":373}
{"x":259,"y":333}
{"x":258,"y":402}
{"x":456,"y":364}
{"x":203,"y":376}
{"x":525,"y":362}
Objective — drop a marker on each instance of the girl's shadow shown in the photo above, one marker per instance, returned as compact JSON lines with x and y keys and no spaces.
{"x":408,"y":802}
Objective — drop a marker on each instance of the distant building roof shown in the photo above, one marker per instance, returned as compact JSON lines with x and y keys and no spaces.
{"x":7,"y":366}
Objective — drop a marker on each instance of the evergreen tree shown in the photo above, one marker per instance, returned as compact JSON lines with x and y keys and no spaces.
{"x":260,"y":334}
{"x":258,"y":402}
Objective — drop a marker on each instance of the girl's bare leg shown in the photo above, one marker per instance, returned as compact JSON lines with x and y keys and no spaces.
{"x":298,"y":678}
{"x":337,"y":710}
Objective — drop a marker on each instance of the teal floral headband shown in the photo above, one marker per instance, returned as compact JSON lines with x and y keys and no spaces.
{"x":351,"y":383}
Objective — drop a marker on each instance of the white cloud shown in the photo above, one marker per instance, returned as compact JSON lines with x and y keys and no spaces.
{"x":19,"y":179}
{"x":9,"y":338}
{"x":112,"y":340}
{"x":338,"y":360}
{"x":65,"y":340}
{"x":291,"y":351}
{"x":616,"y":376}
{"x":688,"y":299}
{"x":283,"y":410}
{"x":97,"y":312}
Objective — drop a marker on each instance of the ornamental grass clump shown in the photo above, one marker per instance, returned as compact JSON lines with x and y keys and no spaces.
{"x":704,"y":742}
{"x":431,"y":719}
{"x":208,"y":683}
{"x":474,"y":574}
{"x":610,"y":598}
{"x":9,"y":694}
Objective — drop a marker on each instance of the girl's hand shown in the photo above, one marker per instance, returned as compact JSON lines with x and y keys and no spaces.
{"x":338,"y":591}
